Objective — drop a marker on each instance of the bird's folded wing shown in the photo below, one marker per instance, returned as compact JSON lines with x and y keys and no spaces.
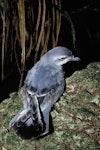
{"x":22,"y":116}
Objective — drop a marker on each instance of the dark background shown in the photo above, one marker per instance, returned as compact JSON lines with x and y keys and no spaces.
{"x":85,"y":15}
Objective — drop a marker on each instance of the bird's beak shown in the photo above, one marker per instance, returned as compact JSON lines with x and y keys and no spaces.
{"x":73,"y":58}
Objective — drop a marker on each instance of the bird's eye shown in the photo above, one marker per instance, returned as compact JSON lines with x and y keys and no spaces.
{"x":63,"y":58}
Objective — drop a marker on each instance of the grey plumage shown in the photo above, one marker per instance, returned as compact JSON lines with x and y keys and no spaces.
{"x":43,"y":86}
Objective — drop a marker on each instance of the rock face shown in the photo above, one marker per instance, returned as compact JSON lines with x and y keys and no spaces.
{"x":75,"y":117}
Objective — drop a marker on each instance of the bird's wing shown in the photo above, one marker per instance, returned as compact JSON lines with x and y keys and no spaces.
{"x":29,"y":117}
{"x":34,"y":106}
{"x":22,"y":116}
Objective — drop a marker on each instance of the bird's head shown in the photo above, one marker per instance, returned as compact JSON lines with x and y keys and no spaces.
{"x":59,"y":56}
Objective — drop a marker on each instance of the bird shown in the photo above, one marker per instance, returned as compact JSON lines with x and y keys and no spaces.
{"x":43,"y":86}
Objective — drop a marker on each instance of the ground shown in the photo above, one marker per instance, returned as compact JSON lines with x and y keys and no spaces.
{"x":76,"y":116}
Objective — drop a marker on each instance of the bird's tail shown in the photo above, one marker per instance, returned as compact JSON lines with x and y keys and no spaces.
{"x":29,"y":117}
{"x":22,"y":116}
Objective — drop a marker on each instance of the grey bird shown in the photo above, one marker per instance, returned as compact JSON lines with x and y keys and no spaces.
{"x":43,"y":86}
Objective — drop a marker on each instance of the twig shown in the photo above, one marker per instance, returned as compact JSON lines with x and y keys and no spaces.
{"x":42,"y":29}
{"x":3,"y":41}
